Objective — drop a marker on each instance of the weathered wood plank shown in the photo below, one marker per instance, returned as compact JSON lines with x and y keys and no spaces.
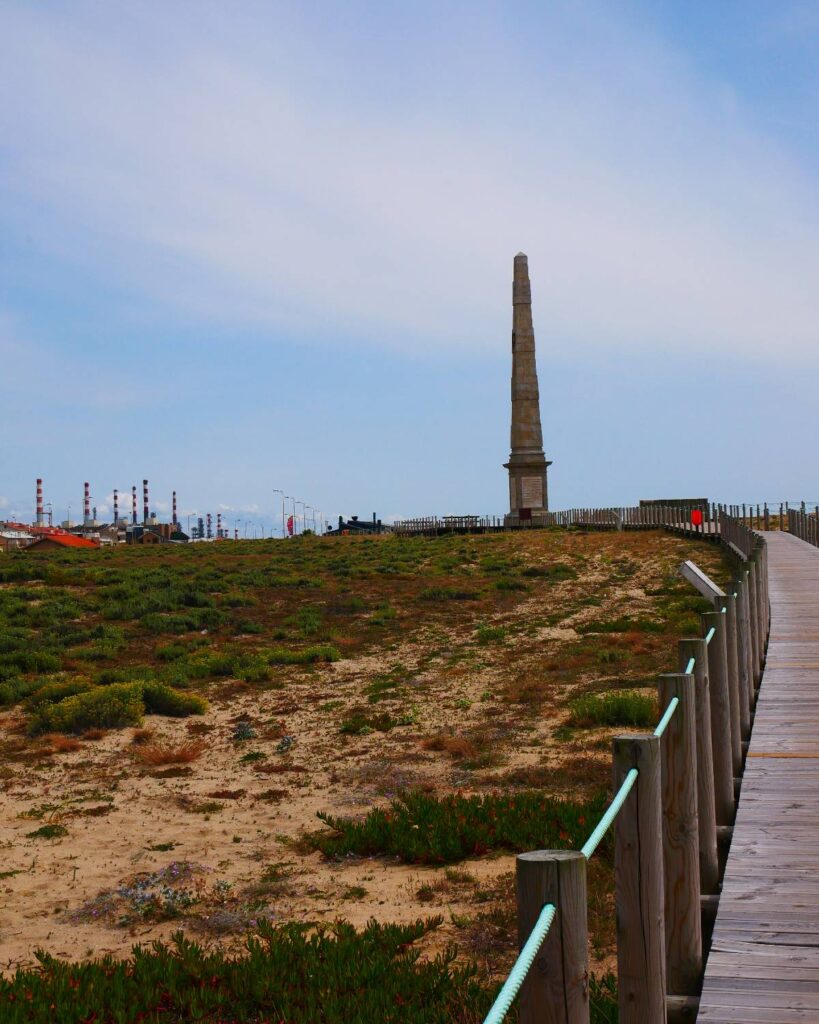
{"x":764,"y":960}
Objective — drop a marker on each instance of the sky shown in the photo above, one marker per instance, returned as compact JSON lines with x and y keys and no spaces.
{"x":257,"y":248}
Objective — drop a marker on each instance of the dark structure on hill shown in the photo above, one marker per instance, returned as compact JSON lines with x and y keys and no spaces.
{"x":356,"y":525}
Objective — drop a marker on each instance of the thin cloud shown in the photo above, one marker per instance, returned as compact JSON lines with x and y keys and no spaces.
{"x":221,"y":182}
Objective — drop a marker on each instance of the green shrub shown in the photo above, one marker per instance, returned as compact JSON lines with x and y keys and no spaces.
{"x":53,"y":693}
{"x":425,"y":829}
{"x":509,"y":584}
{"x":292,"y":973}
{"x":447,"y":594}
{"x":622,"y":625}
{"x":102,"y":707}
{"x":165,"y":700}
{"x":16,"y":689}
{"x":554,"y":573}
{"x":281,"y":656}
{"x":618,"y":707}
{"x":486,"y":634}
{"x":359,"y":724}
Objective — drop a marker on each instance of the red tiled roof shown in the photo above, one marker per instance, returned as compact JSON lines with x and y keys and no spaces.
{"x":66,"y":540}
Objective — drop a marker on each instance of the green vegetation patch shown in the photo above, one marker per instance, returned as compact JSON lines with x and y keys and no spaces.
{"x":618,"y":707}
{"x":424,"y":829}
{"x":292,"y":973}
{"x":111,"y":707}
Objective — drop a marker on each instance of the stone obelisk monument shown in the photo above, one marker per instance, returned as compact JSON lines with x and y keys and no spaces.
{"x":527,"y":465}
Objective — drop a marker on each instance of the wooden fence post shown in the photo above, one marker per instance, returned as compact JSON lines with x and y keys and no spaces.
{"x":721,"y":738}
{"x":750,"y":567}
{"x":719,"y":676}
{"x":556,"y":989}
{"x":638,"y":880}
{"x":746,"y":674}
{"x":706,"y":814}
{"x":736,"y":680}
{"x":681,"y":881}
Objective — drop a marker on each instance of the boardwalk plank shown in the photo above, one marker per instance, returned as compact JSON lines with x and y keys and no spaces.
{"x":764,"y":961}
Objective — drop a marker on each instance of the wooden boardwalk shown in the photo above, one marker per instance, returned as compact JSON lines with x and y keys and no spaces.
{"x":764,"y":962}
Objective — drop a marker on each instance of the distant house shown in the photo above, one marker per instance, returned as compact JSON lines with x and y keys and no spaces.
{"x":62,"y":542}
{"x":14,"y":536}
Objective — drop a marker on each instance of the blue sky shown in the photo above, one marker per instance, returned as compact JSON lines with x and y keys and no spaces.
{"x":258,"y":246}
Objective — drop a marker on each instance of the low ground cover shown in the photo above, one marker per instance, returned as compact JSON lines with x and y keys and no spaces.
{"x":203,"y":705}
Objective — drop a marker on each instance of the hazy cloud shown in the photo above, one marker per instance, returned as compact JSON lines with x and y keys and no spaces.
{"x":264,"y":170}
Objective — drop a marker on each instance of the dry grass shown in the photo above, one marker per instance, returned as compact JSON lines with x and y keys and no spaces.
{"x":55,"y":743}
{"x":456,"y":746}
{"x":156,"y":753}
{"x":142,"y":736}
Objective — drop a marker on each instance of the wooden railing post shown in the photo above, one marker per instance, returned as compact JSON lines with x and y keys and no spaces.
{"x":736,"y":682}
{"x":756,"y":657}
{"x":638,"y":880}
{"x":706,"y":813}
{"x":556,"y":989}
{"x":744,"y":650}
{"x":720,"y":678}
{"x":720,"y":737}
{"x":681,"y":881}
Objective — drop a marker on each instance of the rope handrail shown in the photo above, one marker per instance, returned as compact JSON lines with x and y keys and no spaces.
{"x":526,"y":957}
{"x":673,"y":704}
{"x":591,"y":844}
{"x":520,"y":969}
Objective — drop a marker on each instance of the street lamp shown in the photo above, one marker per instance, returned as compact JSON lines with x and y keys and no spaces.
{"x":277,"y":491}
{"x":288,"y":498}
{"x":314,"y":517}
{"x":298,"y":501}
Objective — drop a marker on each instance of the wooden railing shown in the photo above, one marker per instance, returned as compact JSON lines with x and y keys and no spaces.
{"x":675,"y":800}
{"x":760,"y":516}
{"x":804,"y":525}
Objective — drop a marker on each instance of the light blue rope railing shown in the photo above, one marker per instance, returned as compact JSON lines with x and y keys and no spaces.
{"x":593,"y":841}
{"x":520,"y":969}
{"x":673,"y":704}
{"x":511,"y":986}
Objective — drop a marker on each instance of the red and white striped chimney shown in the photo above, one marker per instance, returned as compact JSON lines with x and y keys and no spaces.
{"x":173,"y":518}
{"x":133,"y":505}
{"x":40,"y":512}
{"x":145,"y":510}
{"x":86,"y":504}
{"x":116,"y":506}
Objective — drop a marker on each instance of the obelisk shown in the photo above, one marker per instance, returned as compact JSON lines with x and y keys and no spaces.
{"x":527,"y":465}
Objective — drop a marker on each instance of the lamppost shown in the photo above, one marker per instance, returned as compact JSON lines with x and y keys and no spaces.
{"x":284,"y":524}
{"x":298,"y":501}
{"x":314,"y":517}
{"x":277,"y":491}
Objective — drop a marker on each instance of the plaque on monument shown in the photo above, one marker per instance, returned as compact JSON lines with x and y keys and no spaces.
{"x":531,"y":492}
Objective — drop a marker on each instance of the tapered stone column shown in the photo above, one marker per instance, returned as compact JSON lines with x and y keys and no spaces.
{"x":527,"y":465}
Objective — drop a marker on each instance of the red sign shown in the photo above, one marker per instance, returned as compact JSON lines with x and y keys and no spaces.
{"x":696,"y":517}
{"x":290,"y":525}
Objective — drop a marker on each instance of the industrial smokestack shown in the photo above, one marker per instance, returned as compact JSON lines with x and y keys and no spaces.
{"x":235,"y":532}
{"x":145,"y":512}
{"x":210,"y":527}
{"x":116,"y":506}
{"x":40,"y":513}
{"x":218,"y":525}
{"x":86,"y":505}
{"x":133,"y":505}
{"x":174,"y":520}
